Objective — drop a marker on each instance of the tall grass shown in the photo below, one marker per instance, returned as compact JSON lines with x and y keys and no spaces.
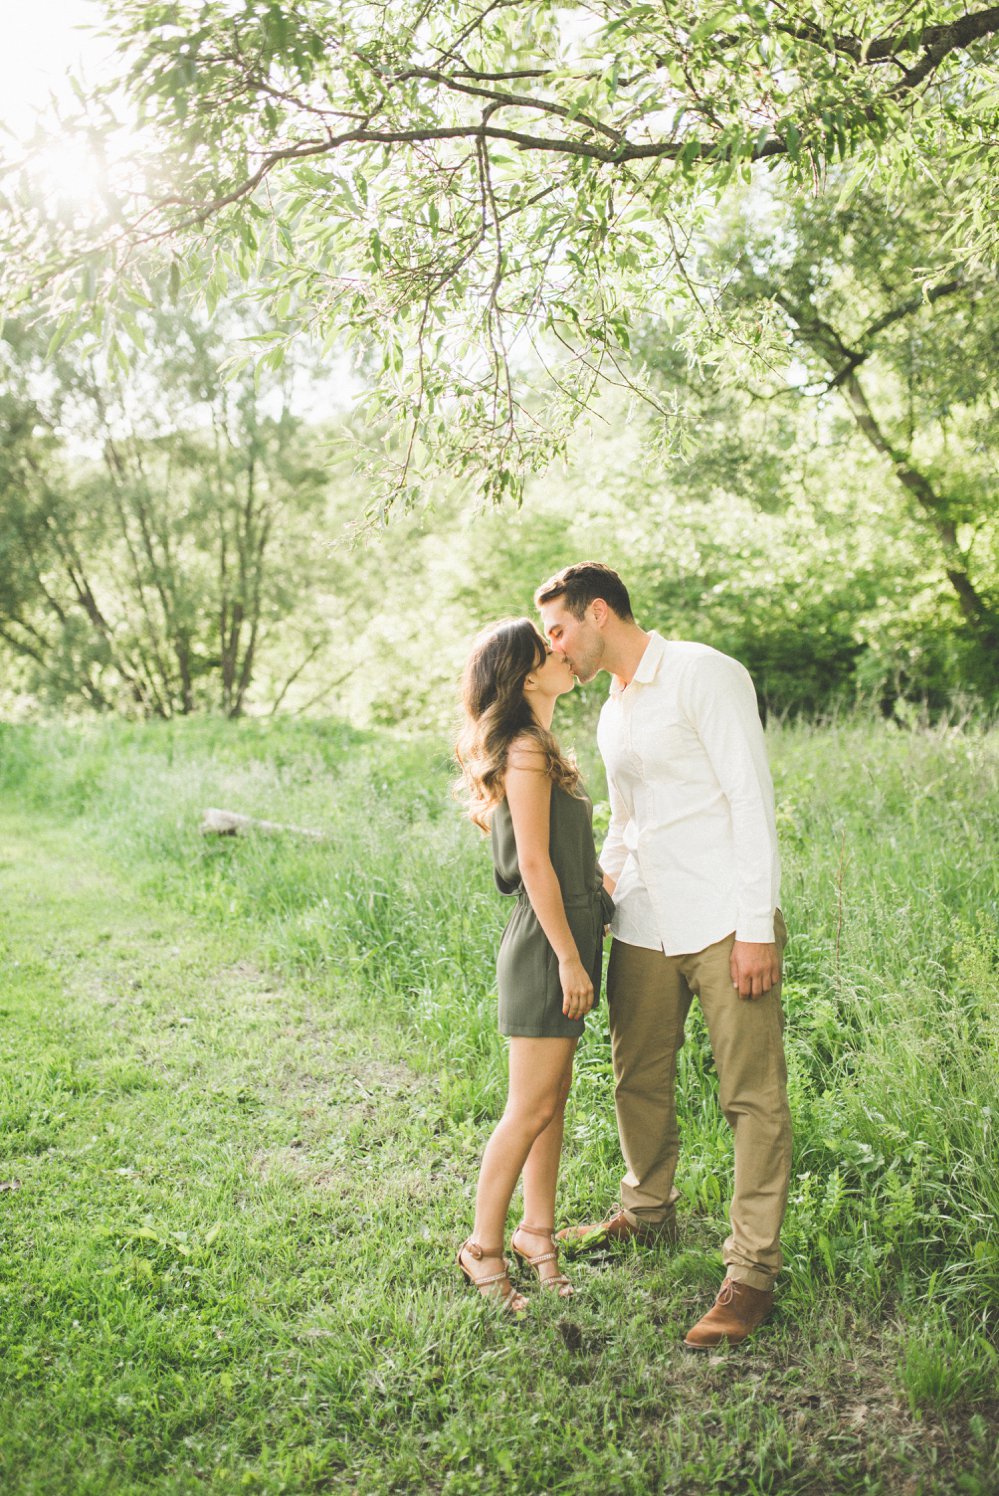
{"x":889,"y":839}
{"x":230,"y":1207}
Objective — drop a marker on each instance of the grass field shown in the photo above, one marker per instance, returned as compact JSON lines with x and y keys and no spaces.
{"x":244,"y":1085}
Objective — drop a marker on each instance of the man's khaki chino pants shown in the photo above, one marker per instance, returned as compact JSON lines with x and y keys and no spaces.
{"x":649,"y":996}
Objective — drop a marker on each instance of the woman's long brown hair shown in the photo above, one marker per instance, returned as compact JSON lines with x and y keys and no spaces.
{"x":496,"y":712}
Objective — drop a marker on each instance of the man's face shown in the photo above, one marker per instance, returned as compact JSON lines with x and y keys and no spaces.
{"x":578,"y":639}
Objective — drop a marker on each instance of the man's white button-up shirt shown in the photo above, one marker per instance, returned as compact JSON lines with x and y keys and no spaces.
{"x":692,"y":843}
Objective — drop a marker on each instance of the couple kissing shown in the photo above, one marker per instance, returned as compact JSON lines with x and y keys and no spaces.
{"x":688,"y":884}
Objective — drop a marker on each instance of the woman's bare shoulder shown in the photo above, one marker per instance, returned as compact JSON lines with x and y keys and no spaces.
{"x":526,"y":754}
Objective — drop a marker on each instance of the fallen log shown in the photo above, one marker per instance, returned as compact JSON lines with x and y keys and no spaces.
{"x":228,"y":823}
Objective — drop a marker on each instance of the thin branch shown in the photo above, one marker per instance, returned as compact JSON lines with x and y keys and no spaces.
{"x":325,"y":691}
{"x":511,"y":101}
{"x":473,"y":26}
{"x":293,"y":677}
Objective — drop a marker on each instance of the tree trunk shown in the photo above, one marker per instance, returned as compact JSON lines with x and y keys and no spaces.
{"x":228,"y":823}
{"x":983,"y":621}
{"x":821,"y":338}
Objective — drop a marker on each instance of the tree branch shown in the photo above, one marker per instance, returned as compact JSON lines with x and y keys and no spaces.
{"x":934,"y":40}
{"x":936,"y":43}
{"x":511,"y":101}
{"x":855,"y":357}
{"x":822,"y":338}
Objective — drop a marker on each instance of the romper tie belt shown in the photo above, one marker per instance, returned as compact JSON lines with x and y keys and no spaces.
{"x":582,"y":900}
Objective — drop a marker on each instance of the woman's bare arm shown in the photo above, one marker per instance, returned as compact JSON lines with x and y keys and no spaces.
{"x":529,"y":793}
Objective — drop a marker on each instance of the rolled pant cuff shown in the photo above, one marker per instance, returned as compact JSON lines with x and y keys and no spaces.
{"x":664,"y":1230}
{"x":751,"y":1276}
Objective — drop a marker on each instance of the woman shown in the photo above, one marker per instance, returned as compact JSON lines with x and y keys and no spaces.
{"x":528,"y":794}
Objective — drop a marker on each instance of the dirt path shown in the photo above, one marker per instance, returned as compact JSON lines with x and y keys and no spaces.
{"x":192,"y":1155}
{"x":109,"y":975}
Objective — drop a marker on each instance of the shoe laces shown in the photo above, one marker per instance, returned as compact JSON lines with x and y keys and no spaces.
{"x":726,"y":1293}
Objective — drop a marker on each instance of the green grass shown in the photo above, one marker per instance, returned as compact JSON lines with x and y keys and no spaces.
{"x":244,"y":1085}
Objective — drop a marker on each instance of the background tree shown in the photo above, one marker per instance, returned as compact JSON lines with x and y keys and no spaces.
{"x":908,"y":365}
{"x":808,"y":563}
{"x":912,"y":365}
{"x":154,"y":555}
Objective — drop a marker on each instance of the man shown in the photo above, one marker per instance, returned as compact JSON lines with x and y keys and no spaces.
{"x":691,"y":858}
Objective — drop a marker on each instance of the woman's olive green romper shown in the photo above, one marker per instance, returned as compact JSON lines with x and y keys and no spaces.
{"x":530,"y":994}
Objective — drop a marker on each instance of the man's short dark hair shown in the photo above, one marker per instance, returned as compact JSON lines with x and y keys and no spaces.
{"x":579,"y":585}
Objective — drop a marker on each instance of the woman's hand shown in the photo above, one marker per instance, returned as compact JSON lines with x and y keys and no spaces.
{"x":577,"y":989}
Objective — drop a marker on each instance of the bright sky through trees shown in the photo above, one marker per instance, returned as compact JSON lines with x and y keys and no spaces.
{"x":42,"y":41}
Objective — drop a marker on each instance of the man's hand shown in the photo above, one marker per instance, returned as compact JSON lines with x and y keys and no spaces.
{"x":610,"y":884}
{"x":755,"y":968}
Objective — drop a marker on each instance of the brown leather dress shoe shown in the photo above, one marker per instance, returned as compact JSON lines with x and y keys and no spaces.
{"x":617,"y":1228}
{"x":735,"y":1314}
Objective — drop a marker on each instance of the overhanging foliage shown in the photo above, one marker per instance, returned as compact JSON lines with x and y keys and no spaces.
{"x":483,"y":197}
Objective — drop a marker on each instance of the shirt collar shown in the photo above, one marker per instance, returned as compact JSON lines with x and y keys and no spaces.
{"x":648,"y":666}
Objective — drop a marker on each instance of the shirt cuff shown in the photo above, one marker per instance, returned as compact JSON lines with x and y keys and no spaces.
{"x":759,"y":930}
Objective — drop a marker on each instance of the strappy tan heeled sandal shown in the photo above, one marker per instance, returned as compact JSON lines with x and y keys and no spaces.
{"x":489,"y":1285}
{"x":555,"y":1280}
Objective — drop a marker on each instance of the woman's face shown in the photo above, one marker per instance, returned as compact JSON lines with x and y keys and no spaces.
{"x":553,"y":677}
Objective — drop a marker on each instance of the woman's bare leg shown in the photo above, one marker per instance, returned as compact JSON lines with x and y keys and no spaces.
{"x":541,"y":1178}
{"x":540,"y":1070}
{"x":542,"y":1163}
